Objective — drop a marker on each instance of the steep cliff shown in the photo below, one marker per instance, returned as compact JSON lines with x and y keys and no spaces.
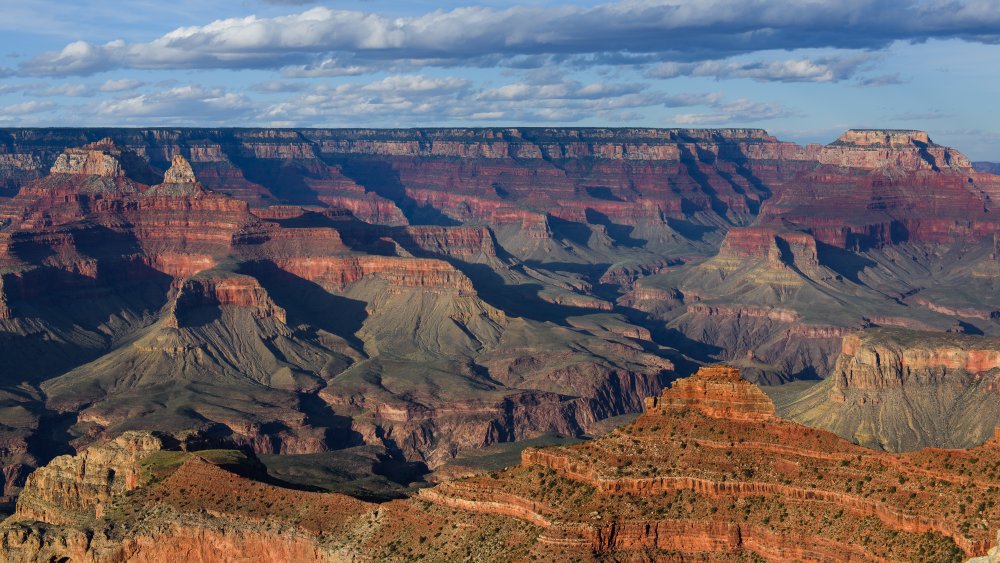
{"x":901,"y":390}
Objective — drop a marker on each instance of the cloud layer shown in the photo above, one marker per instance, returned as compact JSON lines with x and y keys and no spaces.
{"x":321,"y":40}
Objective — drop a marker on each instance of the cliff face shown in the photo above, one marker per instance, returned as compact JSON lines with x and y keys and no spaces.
{"x":73,"y":509}
{"x":223,"y":317}
{"x":901,"y":390}
{"x":874,"y":188}
{"x":74,"y":488}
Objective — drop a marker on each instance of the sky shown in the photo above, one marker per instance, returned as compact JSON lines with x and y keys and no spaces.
{"x":805,"y":70}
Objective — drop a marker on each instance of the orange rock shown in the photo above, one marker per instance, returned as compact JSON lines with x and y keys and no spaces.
{"x":717,"y":391}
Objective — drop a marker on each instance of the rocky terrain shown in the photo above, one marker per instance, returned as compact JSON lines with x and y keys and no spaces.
{"x":424,"y":293}
{"x":707,"y":473}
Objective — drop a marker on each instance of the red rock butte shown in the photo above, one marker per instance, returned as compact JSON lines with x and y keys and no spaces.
{"x":716,"y":391}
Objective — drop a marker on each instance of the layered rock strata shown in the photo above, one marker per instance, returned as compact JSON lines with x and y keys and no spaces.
{"x":687,"y":480}
{"x":901,"y":390}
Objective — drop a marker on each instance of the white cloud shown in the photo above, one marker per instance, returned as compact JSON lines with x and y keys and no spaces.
{"x":613,"y":33}
{"x":423,"y":99}
{"x":737,"y":112}
{"x":823,"y":69}
{"x":326,"y":67}
{"x":188,"y":104}
{"x":121,"y":85}
{"x":68,"y":90}
{"x":15,"y":111}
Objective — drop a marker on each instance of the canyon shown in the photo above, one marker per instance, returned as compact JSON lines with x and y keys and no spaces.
{"x":396,"y":299}
{"x":706,"y":473}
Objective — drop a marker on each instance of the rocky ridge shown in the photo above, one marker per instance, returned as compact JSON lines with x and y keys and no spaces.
{"x":718,"y":481}
{"x":751,"y":471}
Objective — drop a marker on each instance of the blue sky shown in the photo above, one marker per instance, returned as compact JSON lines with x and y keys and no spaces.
{"x":804,"y":70}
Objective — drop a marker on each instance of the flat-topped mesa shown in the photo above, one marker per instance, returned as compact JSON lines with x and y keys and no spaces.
{"x":96,"y":159}
{"x":105,"y":159}
{"x":778,"y":247}
{"x":716,"y":391}
{"x":884,"y":138}
{"x":881,"y":148}
{"x":532,"y":143}
{"x":943,"y":385}
{"x":895,"y":358}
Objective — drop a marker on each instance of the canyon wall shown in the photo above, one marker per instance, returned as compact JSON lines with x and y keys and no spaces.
{"x":901,"y":390}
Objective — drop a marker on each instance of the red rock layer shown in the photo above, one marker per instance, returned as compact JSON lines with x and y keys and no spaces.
{"x":886,"y":363}
{"x":400,"y":272}
{"x":718,"y":392}
{"x":239,"y":291}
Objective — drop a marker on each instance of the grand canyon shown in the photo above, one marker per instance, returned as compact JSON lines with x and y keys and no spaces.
{"x":484,"y":344}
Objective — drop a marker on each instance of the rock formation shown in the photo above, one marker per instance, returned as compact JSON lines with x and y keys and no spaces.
{"x":900,"y":390}
{"x":717,"y":481}
{"x":180,"y":172}
{"x":431,"y":291}
{"x":74,"y":488}
{"x":718,"y":392}
{"x":692,"y":481}
{"x":992,"y":557}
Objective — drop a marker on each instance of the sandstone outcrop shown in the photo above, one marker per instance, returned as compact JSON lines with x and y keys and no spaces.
{"x":992,"y":557}
{"x":718,"y":392}
{"x":180,"y":172}
{"x":73,"y":488}
{"x":97,"y":159}
{"x":226,"y":290}
{"x":73,"y":509}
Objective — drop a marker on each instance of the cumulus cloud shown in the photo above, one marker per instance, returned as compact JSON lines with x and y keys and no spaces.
{"x":279,"y":87}
{"x":180,"y":105}
{"x":68,"y":90}
{"x":674,"y":30}
{"x":823,"y":69}
{"x":15,"y":111}
{"x":423,"y":99}
{"x":325,"y":67}
{"x":568,"y":89}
